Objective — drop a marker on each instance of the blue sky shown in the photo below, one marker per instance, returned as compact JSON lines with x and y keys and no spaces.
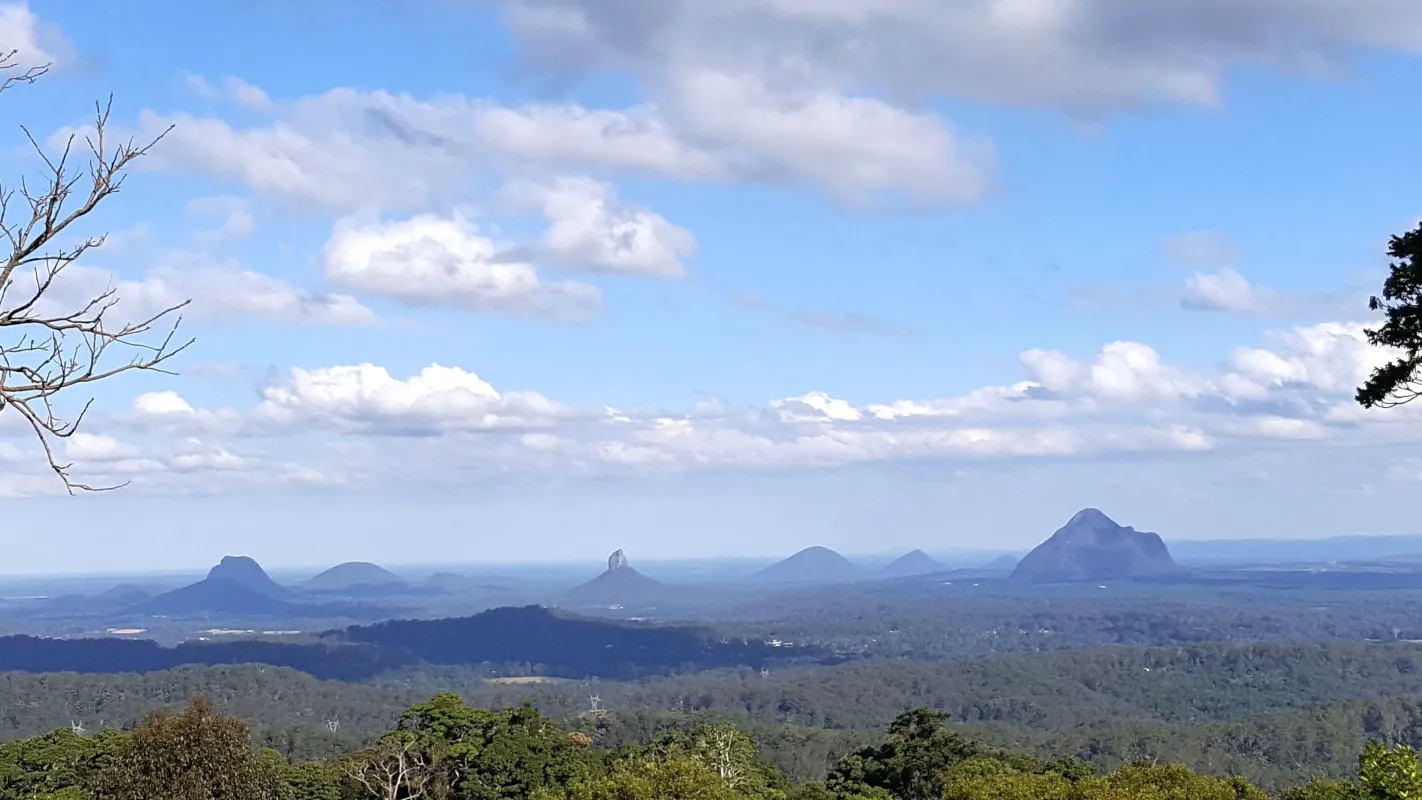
{"x":530,"y":280}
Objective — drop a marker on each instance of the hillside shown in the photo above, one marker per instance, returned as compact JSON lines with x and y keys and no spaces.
{"x":215,"y":596}
{"x":236,"y":587}
{"x":354,"y":576}
{"x":1092,"y":547}
{"x":812,"y":565}
{"x":620,"y":585}
{"x":913,"y":563}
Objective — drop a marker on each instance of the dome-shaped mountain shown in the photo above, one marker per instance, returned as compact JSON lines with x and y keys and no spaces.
{"x":247,"y":573}
{"x":1092,"y":547}
{"x":619,"y":585}
{"x":812,"y":565}
{"x":352,"y":576}
{"x":916,"y":562}
{"x":237,"y":586}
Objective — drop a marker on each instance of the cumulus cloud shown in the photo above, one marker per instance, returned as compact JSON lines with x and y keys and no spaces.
{"x":443,"y":261}
{"x":366,"y":397}
{"x":1296,"y":391}
{"x":589,"y":228}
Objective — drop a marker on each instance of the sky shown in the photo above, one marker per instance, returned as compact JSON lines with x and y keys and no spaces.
{"x":532,"y":280}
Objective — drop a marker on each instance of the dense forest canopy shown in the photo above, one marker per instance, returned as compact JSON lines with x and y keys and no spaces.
{"x":1269,"y":712}
{"x":445,"y":748}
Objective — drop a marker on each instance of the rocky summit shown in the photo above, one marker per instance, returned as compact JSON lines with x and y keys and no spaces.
{"x":616,"y":561}
{"x":619,"y":585}
{"x":1092,"y":547}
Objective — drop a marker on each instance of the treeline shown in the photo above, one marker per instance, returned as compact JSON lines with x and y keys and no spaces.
{"x":444,"y":749}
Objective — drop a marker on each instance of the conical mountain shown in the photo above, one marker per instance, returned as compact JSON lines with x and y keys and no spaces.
{"x":1092,"y":547}
{"x":620,"y":585}
{"x":912,"y":563}
{"x":354,"y":575}
{"x":812,"y":565}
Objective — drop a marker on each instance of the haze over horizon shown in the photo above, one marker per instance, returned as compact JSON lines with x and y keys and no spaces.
{"x":552,"y":277}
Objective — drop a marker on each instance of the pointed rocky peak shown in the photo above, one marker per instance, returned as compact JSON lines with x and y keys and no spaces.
{"x":616,"y":561}
{"x":620,"y":585}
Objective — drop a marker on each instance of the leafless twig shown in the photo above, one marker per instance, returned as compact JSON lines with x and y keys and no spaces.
{"x":12,"y":75}
{"x":53,"y":348}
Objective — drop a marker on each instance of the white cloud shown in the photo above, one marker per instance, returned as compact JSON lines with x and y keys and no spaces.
{"x":1333,"y":358}
{"x":1123,"y":371}
{"x":852,"y":146}
{"x":233,"y":89}
{"x":34,"y":43}
{"x":374,"y":151}
{"x":589,"y":228}
{"x":1297,"y":392}
{"x":168,"y":402}
{"x":638,"y":140}
{"x":93,"y":447}
{"x":219,"y":291}
{"x":367,"y":397}
{"x":1227,"y":291}
{"x":438,"y":261}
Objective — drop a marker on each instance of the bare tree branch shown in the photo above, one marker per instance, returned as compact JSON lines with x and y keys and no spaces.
{"x":12,"y":75}
{"x":55,"y":348}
